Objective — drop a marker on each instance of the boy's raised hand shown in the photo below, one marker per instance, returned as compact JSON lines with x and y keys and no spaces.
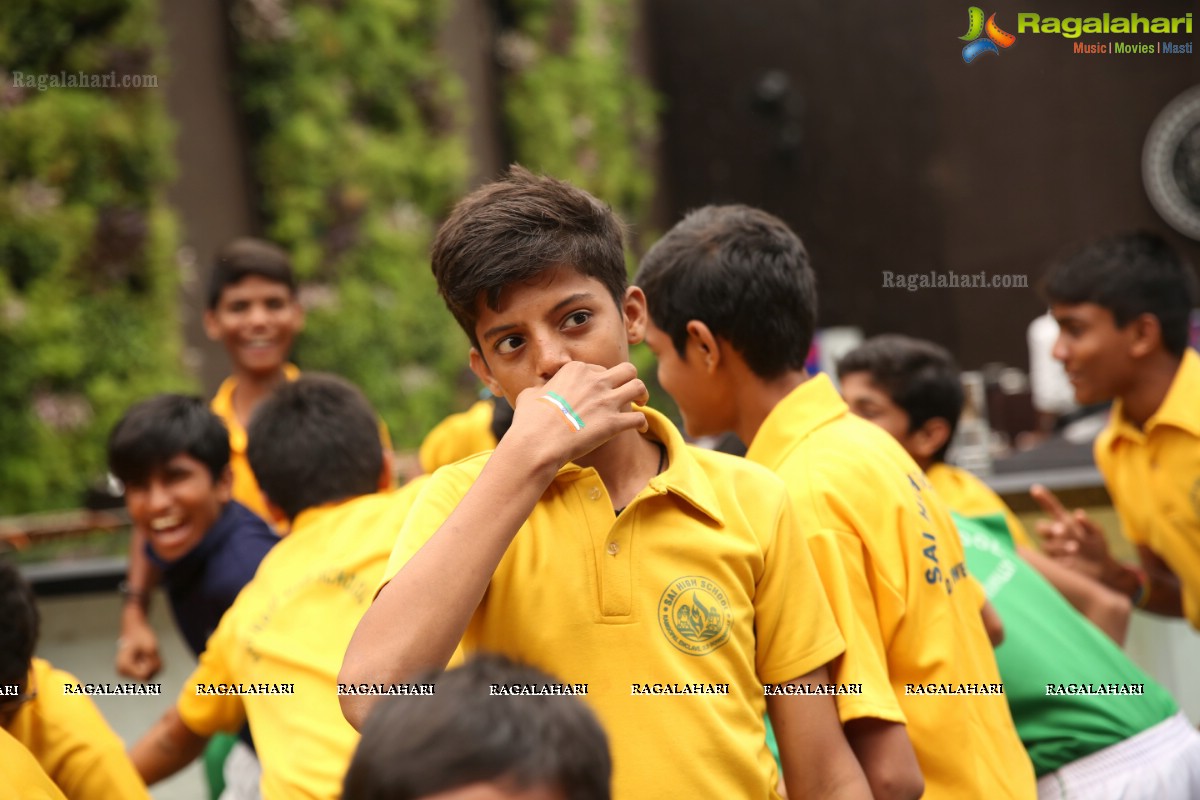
{"x":580,"y":408}
{"x":1073,"y":538}
{"x":137,"y":652}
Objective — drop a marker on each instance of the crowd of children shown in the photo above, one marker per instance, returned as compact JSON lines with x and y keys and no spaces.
{"x":576,"y":603}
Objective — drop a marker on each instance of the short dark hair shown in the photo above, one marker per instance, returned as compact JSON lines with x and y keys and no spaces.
{"x":513,"y":229}
{"x":154,"y":431}
{"x":919,"y":376}
{"x":314,"y":440}
{"x":244,"y":257}
{"x":22,"y":623}
{"x":742,"y":272}
{"x":413,"y":747}
{"x":1129,"y":275}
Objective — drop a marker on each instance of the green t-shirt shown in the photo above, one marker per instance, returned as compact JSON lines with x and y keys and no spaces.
{"x":1049,"y":652}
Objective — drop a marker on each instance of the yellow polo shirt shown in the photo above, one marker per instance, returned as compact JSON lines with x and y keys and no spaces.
{"x":289,"y":628}
{"x":703,"y":579}
{"x":458,"y":436}
{"x":893,"y":565}
{"x":1153,"y":476}
{"x":245,"y":485}
{"x":71,"y":740}
{"x":22,"y":777}
{"x":971,"y":497}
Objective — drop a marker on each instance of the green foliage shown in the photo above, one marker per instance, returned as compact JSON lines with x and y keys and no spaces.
{"x":574,"y":106}
{"x":353,"y":119}
{"x":576,"y":109}
{"x":88,"y":283}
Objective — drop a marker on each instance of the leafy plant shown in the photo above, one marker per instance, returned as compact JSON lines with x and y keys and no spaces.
{"x":88,"y":280}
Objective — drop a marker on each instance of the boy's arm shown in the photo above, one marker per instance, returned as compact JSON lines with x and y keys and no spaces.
{"x":887,"y":757}
{"x":817,"y":760}
{"x":166,"y":748}
{"x":420,"y":616}
{"x":1106,"y":609}
{"x":992,"y":623}
{"x":137,"y":646}
{"x":1079,"y":543}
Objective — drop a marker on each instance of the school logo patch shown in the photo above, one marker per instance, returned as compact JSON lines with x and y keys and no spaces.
{"x":695,"y":616}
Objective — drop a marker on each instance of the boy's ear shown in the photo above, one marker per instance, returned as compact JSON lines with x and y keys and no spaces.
{"x":924,"y":442}
{"x":301,"y":314}
{"x":210,"y":326}
{"x":636,"y":313}
{"x":483,"y":372}
{"x":224,"y":485}
{"x":388,"y":469}
{"x":1146,"y":332}
{"x":702,"y":339}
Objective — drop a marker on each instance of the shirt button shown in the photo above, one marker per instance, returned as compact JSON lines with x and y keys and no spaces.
{"x":594,"y":493}
{"x":613,"y":548}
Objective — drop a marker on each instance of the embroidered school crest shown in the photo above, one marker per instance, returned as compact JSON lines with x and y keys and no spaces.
{"x":694,"y":615}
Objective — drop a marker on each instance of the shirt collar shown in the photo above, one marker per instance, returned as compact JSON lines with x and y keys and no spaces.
{"x":222,"y":406}
{"x":683,"y":477}
{"x":806,"y":408}
{"x":1179,"y":408}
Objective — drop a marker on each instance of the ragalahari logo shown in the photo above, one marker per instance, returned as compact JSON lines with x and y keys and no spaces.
{"x":996,"y":38}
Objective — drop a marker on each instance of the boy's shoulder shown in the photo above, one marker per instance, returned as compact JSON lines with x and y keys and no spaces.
{"x":357,"y":528}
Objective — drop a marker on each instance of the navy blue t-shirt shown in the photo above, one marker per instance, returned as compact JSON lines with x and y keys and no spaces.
{"x":203,"y":584}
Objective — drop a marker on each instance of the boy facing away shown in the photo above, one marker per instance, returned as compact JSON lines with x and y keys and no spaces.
{"x":593,"y":543}
{"x":1131,"y":744}
{"x":314,"y":445}
{"x":732,"y":303}
{"x":62,"y":729}
{"x":1122,"y":306}
{"x":465,"y":742}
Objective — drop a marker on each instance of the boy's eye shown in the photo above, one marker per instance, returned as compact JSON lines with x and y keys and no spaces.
{"x":576,"y":319}
{"x":508,"y":344}
{"x":238,"y":306}
{"x":276,"y":304}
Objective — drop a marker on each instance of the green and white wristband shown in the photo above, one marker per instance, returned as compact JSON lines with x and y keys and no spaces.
{"x":562,"y":405}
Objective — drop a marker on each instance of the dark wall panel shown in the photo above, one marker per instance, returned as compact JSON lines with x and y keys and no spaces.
{"x":860,"y":124}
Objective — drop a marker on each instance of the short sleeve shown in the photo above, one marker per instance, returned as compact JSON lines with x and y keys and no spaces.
{"x":843,"y":569}
{"x":209,"y":713}
{"x":794,"y":625}
{"x":75,"y":745}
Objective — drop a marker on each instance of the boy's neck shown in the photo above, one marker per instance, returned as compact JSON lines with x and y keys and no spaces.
{"x":252,"y":388}
{"x":1147,"y":393}
{"x":755,"y":398}
{"x":625,"y":463}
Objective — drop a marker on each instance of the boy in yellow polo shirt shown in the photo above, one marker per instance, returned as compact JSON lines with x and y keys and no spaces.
{"x":732,"y":303}
{"x":671,"y":584}
{"x":63,"y":731}
{"x":314,"y":445}
{"x":1123,"y":306}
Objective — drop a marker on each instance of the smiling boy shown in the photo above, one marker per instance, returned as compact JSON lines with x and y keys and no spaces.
{"x":172,"y":454}
{"x":593,"y":543}
{"x":1123,"y":306}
